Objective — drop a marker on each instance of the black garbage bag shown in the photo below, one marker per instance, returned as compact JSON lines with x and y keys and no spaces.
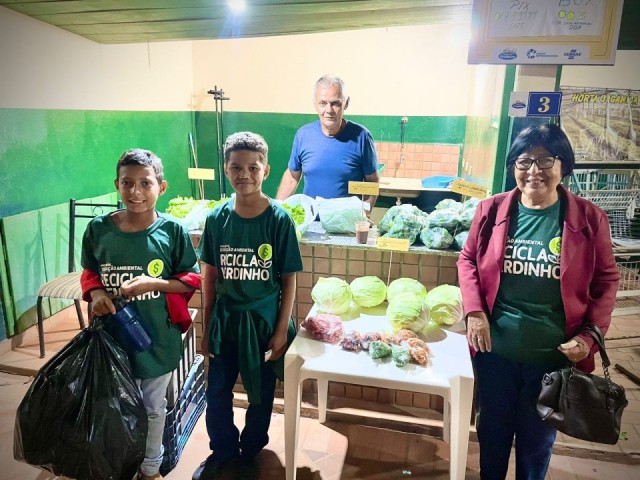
{"x":83,"y":416}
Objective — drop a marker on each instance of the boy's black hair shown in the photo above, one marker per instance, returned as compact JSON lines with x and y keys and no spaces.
{"x":549,"y":136}
{"x":246,"y":141}
{"x":145,"y":158}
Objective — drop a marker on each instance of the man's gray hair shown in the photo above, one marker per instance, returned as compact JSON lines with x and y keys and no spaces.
{"x":328,"y":81}
{"x":246,"y":141}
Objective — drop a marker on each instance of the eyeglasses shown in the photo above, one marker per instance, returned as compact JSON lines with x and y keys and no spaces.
{"x":543,"y":163}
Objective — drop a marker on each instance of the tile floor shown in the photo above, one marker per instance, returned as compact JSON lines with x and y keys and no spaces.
{"x":348,"y":446}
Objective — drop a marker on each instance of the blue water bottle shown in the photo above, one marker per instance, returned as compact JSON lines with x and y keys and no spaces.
{"x":127,"y":317}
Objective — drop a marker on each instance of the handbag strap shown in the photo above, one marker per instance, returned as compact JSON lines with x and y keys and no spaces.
{"x":597,"y":336}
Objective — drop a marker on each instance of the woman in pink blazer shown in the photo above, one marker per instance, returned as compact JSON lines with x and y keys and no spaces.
{"x":538,"y":265}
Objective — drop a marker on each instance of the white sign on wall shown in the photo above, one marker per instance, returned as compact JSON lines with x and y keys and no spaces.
{"x":561,"y":32}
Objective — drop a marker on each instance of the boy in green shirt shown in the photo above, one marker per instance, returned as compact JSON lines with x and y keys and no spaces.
{"x":251,"y":254}
{"x":142,"y":254}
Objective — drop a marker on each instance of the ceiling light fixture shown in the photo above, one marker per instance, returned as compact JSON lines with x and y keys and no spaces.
{"x":237,"y":6}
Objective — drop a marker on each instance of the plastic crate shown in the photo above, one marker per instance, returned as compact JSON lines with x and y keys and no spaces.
{"x":182,"y":417}
{"x":179,"y":375}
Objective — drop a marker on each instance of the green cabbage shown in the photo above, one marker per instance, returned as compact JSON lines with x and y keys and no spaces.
{"x":436,"y":238}
{"x":409,"y":311}
{"x":460,"y":239}
{"x":445,"y":303}
{"x":466,"y":217}
{"x":405,"y":285}
{"x":368,"y":291}
{"x":471,"y":203}
{"x":446,"y":218}
{"x":449,"y":204}
{"x":331,"y":295}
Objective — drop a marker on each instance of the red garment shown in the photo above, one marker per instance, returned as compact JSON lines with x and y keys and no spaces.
{"x":588,"y":271}
{"x":177,"y":303}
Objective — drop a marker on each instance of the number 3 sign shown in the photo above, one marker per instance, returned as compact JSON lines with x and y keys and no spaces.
{"x":544,"y":104}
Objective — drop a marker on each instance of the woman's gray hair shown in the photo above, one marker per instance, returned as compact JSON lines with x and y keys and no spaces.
{"x":246,"y":141}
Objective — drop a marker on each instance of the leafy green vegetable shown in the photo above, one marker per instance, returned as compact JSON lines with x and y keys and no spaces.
{"x":460,"y":239}
{"x":297,"y":213}
{"x":437,"y":238}
{"x":405,"y":285}
{"x":466,"y":217}
{"x":180,"y":206}
{"x":449,"y":204}
{"x":409,"y":311}
{"x":368,"y":291}
{"x":379,"y":349}
{"x":446,"y":218}
{"x":471,"y":203}
{"x":331,"y":295}
{"x":445,"y":303}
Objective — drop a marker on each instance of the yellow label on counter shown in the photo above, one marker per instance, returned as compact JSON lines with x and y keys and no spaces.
{"x":201,"y":173}
{"x":469,"y":189}
{"x":399,"y":244}
{"x":364,"y":188}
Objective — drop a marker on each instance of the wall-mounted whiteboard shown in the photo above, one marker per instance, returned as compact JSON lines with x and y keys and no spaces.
{"x":560,"y":32}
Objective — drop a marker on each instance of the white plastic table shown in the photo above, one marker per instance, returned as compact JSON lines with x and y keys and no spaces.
{"x":449,"y":375}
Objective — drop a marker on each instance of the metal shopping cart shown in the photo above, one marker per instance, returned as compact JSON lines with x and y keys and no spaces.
{"x":620,"y":206}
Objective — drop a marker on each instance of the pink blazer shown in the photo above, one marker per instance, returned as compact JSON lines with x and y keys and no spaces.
{"x":588,"y":273}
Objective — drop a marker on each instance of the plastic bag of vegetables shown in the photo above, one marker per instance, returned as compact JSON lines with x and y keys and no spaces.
{"x":389,"y":217}
{"x":470,"y":204}
{"x":408,"y":311}
{"x":407,"y":225}
{"x":445,"y":304}
{"x":449,"y":204}
{"x":437,"y":238}
{"x":466,"y":218}
{"x":460,"y":239}
{"x":339,"y":215}
{"x":331,"y":295}
{"x":368,"y":291}
{"x":405,"y":285}
{"x":445,"y":218}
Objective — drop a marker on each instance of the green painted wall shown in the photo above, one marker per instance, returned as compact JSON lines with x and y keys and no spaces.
{"x":48,"y":156}
{"x":279,"y":130}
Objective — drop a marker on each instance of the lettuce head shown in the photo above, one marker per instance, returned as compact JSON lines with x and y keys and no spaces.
{"x":408,"y":311}
{"x":405,"y":285}
{"x":368,"y":291}
{"x":331,"y":295}
{"x":445,"y":304}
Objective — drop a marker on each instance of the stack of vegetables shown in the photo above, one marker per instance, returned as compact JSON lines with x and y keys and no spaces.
{"x":446,"y":227}
{"x":410,"y":310}
{"x":194,"y":212}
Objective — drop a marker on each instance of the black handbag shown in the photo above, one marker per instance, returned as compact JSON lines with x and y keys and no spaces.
{"x":583,"y":405}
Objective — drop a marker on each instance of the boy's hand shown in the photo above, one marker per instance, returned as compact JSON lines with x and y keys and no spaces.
{"x":101,"y":303}
{"x":204,"y":346}
{"x":137,"y":286}
{"x":277,"y":344}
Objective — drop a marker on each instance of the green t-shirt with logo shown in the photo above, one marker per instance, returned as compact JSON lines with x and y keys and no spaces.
{"x":528,"y":321}
{"x":162,"y":250}
{"x":251,"y":254}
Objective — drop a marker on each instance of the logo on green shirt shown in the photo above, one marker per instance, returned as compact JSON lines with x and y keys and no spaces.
{"x":265,"y":251}
{"x":555,"y":244}
{"x":155,"y":268}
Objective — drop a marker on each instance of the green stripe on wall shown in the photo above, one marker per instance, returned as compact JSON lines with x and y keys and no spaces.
{"x":49,"y":156}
